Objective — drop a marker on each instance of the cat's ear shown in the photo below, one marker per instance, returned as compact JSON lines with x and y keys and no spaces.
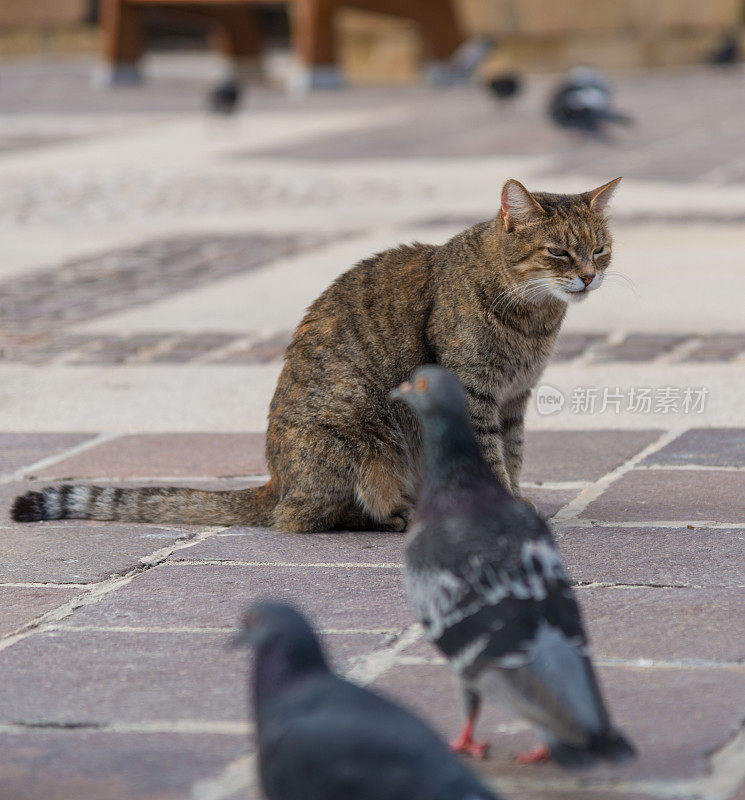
{"x":518,"y":205}
{"x":599,"y":198}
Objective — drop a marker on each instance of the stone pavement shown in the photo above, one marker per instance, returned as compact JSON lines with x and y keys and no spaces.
{"x":154,"y":261}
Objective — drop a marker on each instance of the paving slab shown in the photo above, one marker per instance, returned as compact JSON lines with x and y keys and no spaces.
{"x":548,"y":501}
{"x":656,"y":556}
{"x":78,"y":551}
{"x":646,"y":703}
{"x":336,"y":597}
{"x":21,"y":449}
{"x":20,"y":605}
{"x":268,"y":546}
{"x":178,"y":455}
{"x":659,"y":494}
{"x":76,"y":677}
{"x":580,"y":455}
{"x":704,"y":447}
{"x":661,"y":624}
{"x":90,"y":765}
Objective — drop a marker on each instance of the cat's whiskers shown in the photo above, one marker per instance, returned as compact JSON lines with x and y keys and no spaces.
{"x":525,"y":290}
{"x":540,"y":289}
{"x":616,"y":275}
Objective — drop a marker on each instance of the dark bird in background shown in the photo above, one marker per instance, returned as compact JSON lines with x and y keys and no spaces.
{"x":224,"y":98}
{"x":505,"y":86}
{"x":487,"y":584}
{"x":323,"y":738}
{"x":582,"y":102}
{"x":728,"y":50}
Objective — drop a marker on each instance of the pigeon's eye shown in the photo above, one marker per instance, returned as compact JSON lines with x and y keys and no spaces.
{"x":557,"y":252}
{"x":598,"y":251}
{"x":421,"y":385}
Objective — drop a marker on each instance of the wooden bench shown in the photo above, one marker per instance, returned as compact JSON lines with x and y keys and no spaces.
{"x":237,"y":33}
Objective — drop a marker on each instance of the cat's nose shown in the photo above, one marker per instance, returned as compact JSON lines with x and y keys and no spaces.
{"x":587,"y":279}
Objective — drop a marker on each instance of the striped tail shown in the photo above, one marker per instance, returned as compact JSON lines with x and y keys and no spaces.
{"x":251,"y":506}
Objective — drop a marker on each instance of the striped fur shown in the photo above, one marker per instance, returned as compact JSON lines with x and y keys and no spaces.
{"x":487,"y":305}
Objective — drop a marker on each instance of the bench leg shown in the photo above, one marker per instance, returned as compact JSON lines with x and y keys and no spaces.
{"x":312,"y":23}
{"x":121,"y":26}
{"x":440,"y":30}
{"x":237,"y":35}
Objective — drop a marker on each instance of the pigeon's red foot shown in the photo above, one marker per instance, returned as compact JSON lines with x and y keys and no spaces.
{"x":466,"y":746}
{"x":535,"y":756}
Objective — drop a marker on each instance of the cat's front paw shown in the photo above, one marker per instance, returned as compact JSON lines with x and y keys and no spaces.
{"x":396,"y":523}
{"x":529,"y":503}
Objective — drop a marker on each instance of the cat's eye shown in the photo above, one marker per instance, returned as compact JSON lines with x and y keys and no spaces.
{"x":598,"y":251}
{"x":557,"y":252}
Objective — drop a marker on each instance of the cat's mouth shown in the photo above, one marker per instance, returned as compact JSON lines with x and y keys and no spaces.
{"x":577,"y":295}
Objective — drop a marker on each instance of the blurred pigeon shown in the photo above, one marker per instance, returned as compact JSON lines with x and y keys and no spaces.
{"x":505,"y":86}
{"x":224,"y":98}
{"x":583,"y":103}
{"x":323,"y":738}
{"x":728,"y":51}
{"x":488,"y":585}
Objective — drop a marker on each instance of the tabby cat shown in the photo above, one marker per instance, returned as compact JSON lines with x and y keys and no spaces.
{"x":486,"y":305}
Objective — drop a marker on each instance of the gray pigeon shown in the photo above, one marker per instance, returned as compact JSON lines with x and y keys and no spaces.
{"x":489,"y":587}
{"x":323,"y":738}
{"x":583,"y":103}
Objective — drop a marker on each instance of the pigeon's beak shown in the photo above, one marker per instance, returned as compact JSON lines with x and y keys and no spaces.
{"x":400,"y":392}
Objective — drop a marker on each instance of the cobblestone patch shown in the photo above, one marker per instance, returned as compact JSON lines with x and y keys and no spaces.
{"x":34,"y":307}
{"x":718,"y":347}
{"x":638,"y":347}
{"x":253,"y":347}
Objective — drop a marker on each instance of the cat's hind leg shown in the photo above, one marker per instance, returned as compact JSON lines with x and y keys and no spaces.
{"x":382,"y":491}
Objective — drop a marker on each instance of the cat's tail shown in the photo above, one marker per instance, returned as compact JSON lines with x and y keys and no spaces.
{"x":251,"y":506}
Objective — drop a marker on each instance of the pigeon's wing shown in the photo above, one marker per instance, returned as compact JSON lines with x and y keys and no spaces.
{"x":475,"y":579}
{"x":505,"y":616}
{"x":555,"y":687}
{"x":353,"y":743}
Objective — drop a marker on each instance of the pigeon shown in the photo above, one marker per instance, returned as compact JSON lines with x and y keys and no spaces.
{"x":321,"y":737}
{"x":505,"y":86}
{"x":224,"y":98}
{"x":582,"y":103}
{"x":489,"y":587}
{"x":728,"y":51}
